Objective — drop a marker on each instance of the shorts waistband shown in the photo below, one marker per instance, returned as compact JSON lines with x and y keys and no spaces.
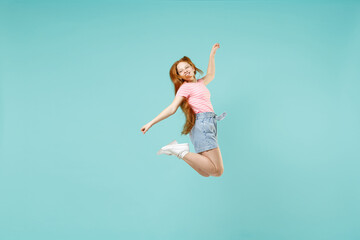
{"x":211,"y":114}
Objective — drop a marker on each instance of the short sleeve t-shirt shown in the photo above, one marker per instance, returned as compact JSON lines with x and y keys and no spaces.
{"x":197,"y":95}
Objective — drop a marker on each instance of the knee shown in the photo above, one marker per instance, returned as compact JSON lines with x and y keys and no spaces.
{"x":219,"y":171}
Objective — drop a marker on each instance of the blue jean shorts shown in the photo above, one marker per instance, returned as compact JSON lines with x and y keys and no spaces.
{"x":204,"y":133}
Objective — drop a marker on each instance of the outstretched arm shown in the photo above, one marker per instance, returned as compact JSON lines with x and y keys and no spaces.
{"x":168,"y":111}
{"x":211,"y":67}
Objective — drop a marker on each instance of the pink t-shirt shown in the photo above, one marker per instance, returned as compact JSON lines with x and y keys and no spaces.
{"x":197,"y":94}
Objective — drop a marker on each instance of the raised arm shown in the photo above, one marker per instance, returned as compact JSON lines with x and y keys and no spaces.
{"x":210,"y":74}
{"x":167,"y":112}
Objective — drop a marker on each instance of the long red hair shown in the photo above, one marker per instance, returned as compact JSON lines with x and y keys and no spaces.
{"x":185,"y":106}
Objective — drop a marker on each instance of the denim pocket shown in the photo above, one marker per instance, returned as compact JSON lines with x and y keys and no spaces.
{"x":208,"y":125}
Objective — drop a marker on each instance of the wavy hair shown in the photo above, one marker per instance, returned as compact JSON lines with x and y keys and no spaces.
{"x":185,"y":106}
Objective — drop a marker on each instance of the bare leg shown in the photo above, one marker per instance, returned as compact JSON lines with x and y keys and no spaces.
{"x":215,"y":156}
{"x":201,"y":172}
{"x":203,"y":165}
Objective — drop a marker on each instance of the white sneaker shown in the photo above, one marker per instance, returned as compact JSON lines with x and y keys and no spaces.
{"x":178,"y":150}
{"x":161,"y":151}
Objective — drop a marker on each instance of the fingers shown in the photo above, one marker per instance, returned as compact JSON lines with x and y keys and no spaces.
{"x":143,"y":130}
{"x":215,"y":47}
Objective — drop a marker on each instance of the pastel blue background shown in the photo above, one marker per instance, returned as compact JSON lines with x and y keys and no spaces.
{"x":80,"y":78}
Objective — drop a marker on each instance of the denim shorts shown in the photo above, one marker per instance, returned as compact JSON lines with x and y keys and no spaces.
{"x":204,"y":133}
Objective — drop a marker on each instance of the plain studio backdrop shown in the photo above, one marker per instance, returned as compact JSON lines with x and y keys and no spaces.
{"x":80,"y":78}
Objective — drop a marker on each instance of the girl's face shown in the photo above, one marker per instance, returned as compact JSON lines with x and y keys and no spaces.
{"x":186,"y":71}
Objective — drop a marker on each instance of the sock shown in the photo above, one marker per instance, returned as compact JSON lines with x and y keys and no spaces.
{"x":182,"y":154}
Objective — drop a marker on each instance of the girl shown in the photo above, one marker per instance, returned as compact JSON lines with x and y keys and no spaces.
{"x":193,"y":97}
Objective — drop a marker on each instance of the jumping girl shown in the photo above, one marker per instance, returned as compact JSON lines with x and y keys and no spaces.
{"x":193,"y":97}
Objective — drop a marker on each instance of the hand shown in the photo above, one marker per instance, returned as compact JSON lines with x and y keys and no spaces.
{"x":214,"y":48}
{"x":146,"y":127}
